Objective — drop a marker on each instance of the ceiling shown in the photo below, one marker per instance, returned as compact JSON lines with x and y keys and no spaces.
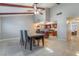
{"x":44,"y":5}
{"x":10,"y":9}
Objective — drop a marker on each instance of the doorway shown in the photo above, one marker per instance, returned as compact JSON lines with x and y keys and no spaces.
{"x":72,"y":28}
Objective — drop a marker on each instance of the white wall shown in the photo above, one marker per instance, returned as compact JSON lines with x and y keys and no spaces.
{"x":67,"y":9}
{"x":39,"y":17}
{"x":48,"y":14}
{"x":0,"y":27}
{"x":5,"y":9}
{"x":12,"y":24}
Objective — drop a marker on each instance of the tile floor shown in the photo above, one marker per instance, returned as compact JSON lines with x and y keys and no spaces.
{"x":53,"y":47}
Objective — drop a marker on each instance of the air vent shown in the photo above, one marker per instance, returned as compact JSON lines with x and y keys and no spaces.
{"x":59,"y":13}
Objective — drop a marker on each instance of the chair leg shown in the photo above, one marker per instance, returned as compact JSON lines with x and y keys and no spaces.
{"x":31,"y":44}
{"x":21,"y":38}
{"x":22,"y":42}
{"x":25,"y":44}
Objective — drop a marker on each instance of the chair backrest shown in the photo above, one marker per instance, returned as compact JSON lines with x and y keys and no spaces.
{"x":25,"y":35}
{"x":21,"y":36}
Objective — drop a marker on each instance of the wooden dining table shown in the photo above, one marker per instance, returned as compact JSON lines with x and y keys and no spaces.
{"x":35,"y":36}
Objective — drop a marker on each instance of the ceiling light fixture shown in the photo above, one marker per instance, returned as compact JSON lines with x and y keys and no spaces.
{"x":36,"y":11}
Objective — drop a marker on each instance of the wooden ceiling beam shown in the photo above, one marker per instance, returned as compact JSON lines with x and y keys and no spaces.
{"x":20,"y":6}
{"x":8,"y":13}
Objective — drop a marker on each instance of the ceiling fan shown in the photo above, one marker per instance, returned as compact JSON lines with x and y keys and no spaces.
{"x":36,"y":10}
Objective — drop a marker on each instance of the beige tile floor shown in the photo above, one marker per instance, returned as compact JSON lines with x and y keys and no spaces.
{"x":53,"y":47}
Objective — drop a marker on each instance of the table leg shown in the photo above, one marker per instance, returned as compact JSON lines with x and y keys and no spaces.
{"x":38,"y":42}
{"x":43,"y":41}
{"x":33,"y":42}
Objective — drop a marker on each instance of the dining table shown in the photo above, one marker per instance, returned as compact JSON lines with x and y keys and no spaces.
{"x":36,"y":36}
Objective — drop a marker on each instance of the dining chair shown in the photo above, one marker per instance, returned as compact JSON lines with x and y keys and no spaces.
{"x":21,"y":37}
{"x":31,"y":40}
{"x":26,"y":38}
